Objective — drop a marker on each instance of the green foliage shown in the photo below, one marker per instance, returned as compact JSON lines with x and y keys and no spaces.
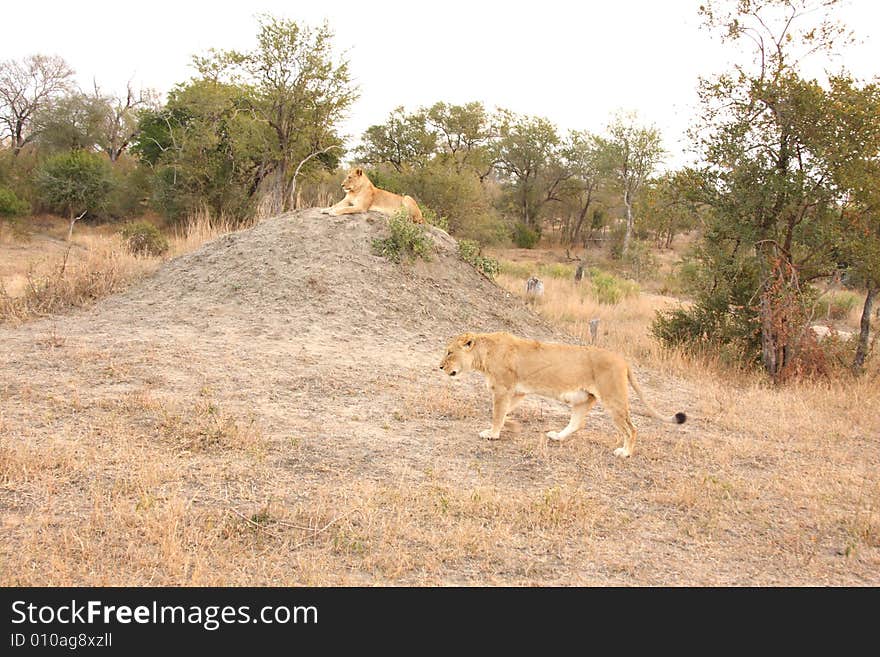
{"x":525,"y":237}
{"x":516,"y":269}
{"x":144,"y":239}
{"x":771,"y":143}
{"x":75,"y":182}
{"x":526,"y":154}
{"x":407,"y":239}
{"x":709,"y":326}
{"x":836,"y":305}
{"x":470,"y":252}
{"x":132,"y":188}
{"x":205,"y":150}
{"x":557,"y":270}
{"x":639,"y":259}
{"x":610,"y":289}
{"x":11,"y":206}
{"x":71,"y":122}
{"x":433,"y":218}
{"x":294,"y":91}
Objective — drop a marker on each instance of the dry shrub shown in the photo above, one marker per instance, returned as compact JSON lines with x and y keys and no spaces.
{"x":105,"y":267}
{"x":200,"y":228}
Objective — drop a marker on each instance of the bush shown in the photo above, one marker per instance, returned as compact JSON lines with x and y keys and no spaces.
{"x":406,"y":239}
{"x":434,"y":219}
{"x":515,"y":269}
{"x":525,"y":237}
{"x":75,"y":182}
{"x":10,"y":205}
{"x":836,"y":305}
{"x":144,"y":239}
{"x":610,"y":289}
{"x":640,"y":259}
{"x":469,"y":251}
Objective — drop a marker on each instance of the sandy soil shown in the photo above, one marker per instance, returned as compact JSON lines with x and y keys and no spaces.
{"x":269,"y":410}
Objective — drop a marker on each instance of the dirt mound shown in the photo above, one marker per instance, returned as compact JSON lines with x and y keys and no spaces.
{"x":312,"y":275}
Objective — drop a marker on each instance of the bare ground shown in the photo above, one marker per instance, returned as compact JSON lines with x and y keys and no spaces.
{"x":268,"y":410}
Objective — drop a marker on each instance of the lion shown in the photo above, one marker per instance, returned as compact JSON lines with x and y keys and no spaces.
{"x":578,"y":376}
{"x":361,"y":195}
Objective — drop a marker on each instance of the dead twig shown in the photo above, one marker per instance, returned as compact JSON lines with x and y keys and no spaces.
{"x":253,"y":524}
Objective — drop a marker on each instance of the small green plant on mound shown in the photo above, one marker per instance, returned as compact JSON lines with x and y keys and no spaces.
{"x":434,"y":219}
{"x":144,"y":239}
{"x":469,"y":251}
{"x":407,"y":239}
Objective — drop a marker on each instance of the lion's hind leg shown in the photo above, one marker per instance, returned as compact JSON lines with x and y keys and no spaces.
{"x":579,"y":410}
{"x":620,"y":416}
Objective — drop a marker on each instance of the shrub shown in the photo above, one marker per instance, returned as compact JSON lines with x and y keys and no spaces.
{"x":75,"y":182}
{"x":557,"y":270}
{"x":610,"y":289}
{"x":144,"y":239}
{"x":836,"y":305}
{"x":406,"y":239}
{"x":434,"y":219}
{"x":469,"y":251}
{"x":10,"y":205}
{"x":525,"y":237}
{"x":640,"y":259}
{"x":515,"y":269}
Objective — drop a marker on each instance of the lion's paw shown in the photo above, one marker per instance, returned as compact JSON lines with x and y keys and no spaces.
{"x":488,"y":435}
{"x":622,"y":452}
{"x":554,"y":435}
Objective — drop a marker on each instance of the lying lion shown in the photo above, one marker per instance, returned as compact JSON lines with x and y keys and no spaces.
{"x":578,"y":376}
{"x":362,"y":196}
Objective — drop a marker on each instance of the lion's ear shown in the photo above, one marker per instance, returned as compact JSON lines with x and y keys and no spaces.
{"x":358,"y":172}
{"x":467,"y":341}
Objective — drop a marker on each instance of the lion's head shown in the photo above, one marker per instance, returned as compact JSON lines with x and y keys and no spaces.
{"x":354,"y":180}
{"x":459,"y":355}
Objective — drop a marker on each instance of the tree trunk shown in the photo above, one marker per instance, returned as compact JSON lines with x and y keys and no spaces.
{"x":864,"y":332}
{"x":73,"y":221}
{"x":627,"y":236}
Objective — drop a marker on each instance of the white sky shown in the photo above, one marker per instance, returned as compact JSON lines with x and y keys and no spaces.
{"x":573,"y":62}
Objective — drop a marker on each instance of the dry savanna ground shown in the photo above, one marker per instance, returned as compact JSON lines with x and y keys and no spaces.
{"x":266,"y":409}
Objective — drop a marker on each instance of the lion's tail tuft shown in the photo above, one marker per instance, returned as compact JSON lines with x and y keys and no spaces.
{"x":678,"y":418}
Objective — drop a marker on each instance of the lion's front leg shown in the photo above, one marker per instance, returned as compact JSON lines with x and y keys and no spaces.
{"x":351,"y":209}
{"x":334,"y":209}
{"x":500,"y":406}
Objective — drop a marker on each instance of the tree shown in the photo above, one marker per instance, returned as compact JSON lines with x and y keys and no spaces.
{"x":631,"y":153}
{"x":299,"y":89}
{"x":667,"y":206}
{"x":524,"y":152}
{"x":403,"y":141}
{"x":26,"y":86}
{"x":207,"y":149}
{"x":464,"y":133}
{"x":118,"y":125}
{"x":766,"y":180}
{"x":75,"y":184}
{"x":851,"y":118}
{"x":582,"y":159}
{"x":71,"y":121}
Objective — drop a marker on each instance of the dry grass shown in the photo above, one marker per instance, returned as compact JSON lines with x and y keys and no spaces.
{"x":111,"y":474}
{"x":51,"y":277}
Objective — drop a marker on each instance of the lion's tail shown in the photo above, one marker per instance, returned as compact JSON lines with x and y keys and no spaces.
{"x":678,"y":418}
